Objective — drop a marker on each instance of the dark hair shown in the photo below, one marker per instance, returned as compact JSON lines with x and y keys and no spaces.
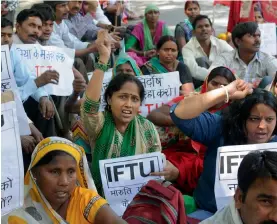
{"x":191,"y":2}
{"x":164,"y":39}
{"x":5,"y":22}
{"x":256,"y":165}
{"x":198,"y":18}
{"x":53,"y":4}
{"x":236,"y":115}
{"x":45,"y":10}
{"x":274,"y":80}
{"x":117,"y":82}
{"x":51,"y":156}
{"x":223,"y":72}
{"x":243,"y":28}
{"x":26,"y":13}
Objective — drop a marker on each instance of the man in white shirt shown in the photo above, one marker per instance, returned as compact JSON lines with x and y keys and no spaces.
{"x":255,"y":200}
{"x":247,"y":61}
{"x":202,"y":46}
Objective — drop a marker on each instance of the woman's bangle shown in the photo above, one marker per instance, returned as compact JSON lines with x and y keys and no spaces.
{"x":144,"y":54}
{"x":102,"y":66}
{"x":227,"y":93}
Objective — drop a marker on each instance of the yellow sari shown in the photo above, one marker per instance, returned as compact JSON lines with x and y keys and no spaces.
{"x":84,"y":202}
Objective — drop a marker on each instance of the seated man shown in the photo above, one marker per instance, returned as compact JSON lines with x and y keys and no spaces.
{"x":255,"y":200}
{"x":247,"y":61}
{"x":203,"y":48}
{"x":38,"y":107}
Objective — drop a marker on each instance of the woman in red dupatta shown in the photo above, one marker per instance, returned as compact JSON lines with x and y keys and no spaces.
{"x":182,"y":152}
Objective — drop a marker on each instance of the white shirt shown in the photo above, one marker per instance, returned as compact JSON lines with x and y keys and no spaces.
{"x":261,"y":65}
{"x":100,"y":16}
{"x":227,"y":215}
{"x":193,"y":50}
{"x":61,"y":37}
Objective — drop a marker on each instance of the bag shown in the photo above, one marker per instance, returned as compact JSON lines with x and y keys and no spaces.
{"x":157,"y":202}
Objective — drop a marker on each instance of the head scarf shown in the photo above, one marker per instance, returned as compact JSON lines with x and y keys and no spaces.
{"x":151,"y":7}
{"x":125,"y":58}
{"x":35,"y":204}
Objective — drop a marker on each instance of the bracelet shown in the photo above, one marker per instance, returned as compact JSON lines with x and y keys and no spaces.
{"x":101,"y":66}
{"x":144,"y":54}
{"x":227,"y":94}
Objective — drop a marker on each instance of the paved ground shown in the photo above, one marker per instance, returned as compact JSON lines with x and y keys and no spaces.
{"x":171,"y":11}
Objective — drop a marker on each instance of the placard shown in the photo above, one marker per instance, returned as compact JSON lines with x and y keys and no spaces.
{"x":268,"y":38}
{"x":12,"y":170}
{"x":159,"y":89}
{"x":8,"y":83}
{"x":41,"y":58}
{"x":227,"y":164}
{"x":122,"y":178}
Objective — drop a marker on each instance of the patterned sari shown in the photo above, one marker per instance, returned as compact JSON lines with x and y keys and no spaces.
{"x":84,"y":201}
{"x":106,"y":141}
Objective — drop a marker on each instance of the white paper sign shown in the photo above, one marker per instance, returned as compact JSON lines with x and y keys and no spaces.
{"x":159,"y":89}
{"x":227,"y":164}
{"x":41,"y":58}
{"x":268,"y":38}
{"x":122,"y":178}
{"x":8,"y":83}
{"x":12,"y":171}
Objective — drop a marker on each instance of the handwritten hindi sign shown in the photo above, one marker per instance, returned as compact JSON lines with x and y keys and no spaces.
{"x":8,"y":83}
{"x":228,"y":161}
{"x":122,"y":178}
{"x":268,"y":38}
{"x":41,"y":58}
{"x":12,"y":171}
{"x":159,"y":89}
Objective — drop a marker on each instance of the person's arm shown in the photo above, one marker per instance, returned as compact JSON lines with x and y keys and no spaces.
{"x":161,"y":116}
{"x":271,"y":66}
{"x":196,"y":71}
{"x":106,"y":215}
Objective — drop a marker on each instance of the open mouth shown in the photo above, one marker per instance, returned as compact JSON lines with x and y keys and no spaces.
{"x":261,"y":135}
{"x":126,"y":113}
{"x":61,"y":194}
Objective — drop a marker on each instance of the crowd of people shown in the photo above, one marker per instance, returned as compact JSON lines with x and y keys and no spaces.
{"x":227,"y":97}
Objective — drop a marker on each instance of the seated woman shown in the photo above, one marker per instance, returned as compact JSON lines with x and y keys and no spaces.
{"x":182,"y":152}
{"x":166,"y":61}
{"x":141,"y":46}
{"x":59,"y":188}
{"x":118,"y":131}
{"x":246,"y":121}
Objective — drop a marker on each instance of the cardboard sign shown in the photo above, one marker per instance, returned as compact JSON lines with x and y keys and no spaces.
{"x":12,"y":171}
{"x":227,"y":164}
{"x":268,"y":38}
{"x":122,"y":178}
{"x":41,"y":58}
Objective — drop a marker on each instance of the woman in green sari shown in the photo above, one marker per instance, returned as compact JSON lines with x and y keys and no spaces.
{"x":118,"y":131}
{"x":141,"y":46}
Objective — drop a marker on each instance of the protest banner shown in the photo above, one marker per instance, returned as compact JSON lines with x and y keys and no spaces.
{"x":122,"y":178}
{"x":41,"y":58}
{"x":268,"y":38}
{"x":159,"y":89}
{"x":12,"y":171}
{"x":227,"y":164}
{"x":8,"y":83}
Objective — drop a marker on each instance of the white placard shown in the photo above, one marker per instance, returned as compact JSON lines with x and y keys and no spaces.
{"x":159,"y":90}
{"x":41,"y":58}
{"x":12,"y":170}
{"x":227,"y":164}
{"x":8,"y":83}
{"x":268,"y":38}
{"x":122,"y":178}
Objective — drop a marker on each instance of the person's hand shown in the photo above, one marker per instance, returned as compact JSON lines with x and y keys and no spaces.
{"x":79,"y":83}
{"x":28,"y":143}
{"x":92,"y":48}
{"x":170,"y":172}
{"x":150,"y":53}
{"x":92,"y":6}
{"x":103,"y":44}
{"x":116,"y":36}
{"x":49,"y":76}
{"x":239,"y":89}
{"x":36,"y":133}
{"x":46,"y":108}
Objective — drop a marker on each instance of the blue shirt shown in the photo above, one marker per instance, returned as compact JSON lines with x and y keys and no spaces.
{"x":207,"y":129}
{"x":25,"y":79}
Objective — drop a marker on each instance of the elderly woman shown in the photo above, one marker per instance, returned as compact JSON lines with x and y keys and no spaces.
{"x":59,"y":188}
{"x":142,"y":44}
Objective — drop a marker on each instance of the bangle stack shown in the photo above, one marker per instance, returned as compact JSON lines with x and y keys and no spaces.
{"x":102,"y":66}
{"x":90,"y":106}
{"x":227,"y":94}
